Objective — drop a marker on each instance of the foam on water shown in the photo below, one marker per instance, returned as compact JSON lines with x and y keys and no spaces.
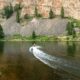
{"x":53,"y":61}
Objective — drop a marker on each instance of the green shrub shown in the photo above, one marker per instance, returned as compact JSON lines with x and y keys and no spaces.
{"x":18,"y":7}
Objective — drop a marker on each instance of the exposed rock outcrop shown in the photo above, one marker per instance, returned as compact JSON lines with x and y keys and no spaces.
{"x":41,"y":27}
{"x":11,"y":27}
{"x":45,"y":27}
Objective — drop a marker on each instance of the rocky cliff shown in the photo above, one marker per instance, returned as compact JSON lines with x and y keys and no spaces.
{"x":71,"y":7}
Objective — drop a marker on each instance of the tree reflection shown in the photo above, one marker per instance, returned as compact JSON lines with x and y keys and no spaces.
{"x":71,"y":49}
{"x":33,"y":42}
{"x":1,"y":47}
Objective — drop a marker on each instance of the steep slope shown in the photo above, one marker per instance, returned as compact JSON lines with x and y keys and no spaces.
{"x":41,"y":27}
{"x":45,"y":27}
{"x":11,"y":27}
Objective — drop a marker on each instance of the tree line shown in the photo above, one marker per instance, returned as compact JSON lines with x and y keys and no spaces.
{"x":9,"y":10}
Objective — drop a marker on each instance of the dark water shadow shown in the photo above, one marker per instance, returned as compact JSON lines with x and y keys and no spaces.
{"x":71,"y":49}
{"x":1,"y":47}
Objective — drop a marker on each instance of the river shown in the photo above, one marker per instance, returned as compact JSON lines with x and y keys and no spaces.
{"x":18,"y":63}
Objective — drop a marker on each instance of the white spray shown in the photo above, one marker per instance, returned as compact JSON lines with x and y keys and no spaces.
{"x":53,"y":61}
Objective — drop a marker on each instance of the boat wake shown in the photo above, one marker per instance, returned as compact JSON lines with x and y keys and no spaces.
{"x":55,"y":62}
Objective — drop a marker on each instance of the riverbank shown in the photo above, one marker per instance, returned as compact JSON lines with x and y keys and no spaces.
{"x":41,"y":38}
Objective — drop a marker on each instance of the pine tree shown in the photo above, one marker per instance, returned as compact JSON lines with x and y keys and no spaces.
{"x":36,"y":12}
{"x":62,"y":12}
{"x":33,"y":35}
{"x":18,"y":16}
{"x":11,"y":9}
{"x":8,"y":11}
{"x":70,"y":29}
{"x":51,"y":14}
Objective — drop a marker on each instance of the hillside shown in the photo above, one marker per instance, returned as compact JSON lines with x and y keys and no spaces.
{"x":44,"y":18}
{"x":45,"y":27}
{"x":71,"y":7}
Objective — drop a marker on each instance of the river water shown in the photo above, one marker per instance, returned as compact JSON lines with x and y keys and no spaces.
{"x":17,"y":63}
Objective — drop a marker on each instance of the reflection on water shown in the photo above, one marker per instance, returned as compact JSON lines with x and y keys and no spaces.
{"x":1,"y":46}
{"x":71,"y":48}
{"x":17,"y":63}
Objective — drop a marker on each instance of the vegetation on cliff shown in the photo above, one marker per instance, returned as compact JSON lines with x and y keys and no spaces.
{"x":36,"y":13}
{"x":8,"y":11}
{"x":34,"y":35}
{"x":17,"y":7}
{"x":70,"y":29}
{"x":70,"y":35}
{"x":62,"y":12}
{"x":51,"y":14}
{"x":18,"y":16}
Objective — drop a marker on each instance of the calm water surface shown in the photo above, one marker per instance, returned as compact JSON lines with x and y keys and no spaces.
{"x":17,"y":63}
